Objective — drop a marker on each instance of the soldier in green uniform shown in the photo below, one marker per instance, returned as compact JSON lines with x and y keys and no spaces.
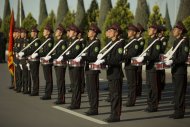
{"x":47,"y":43}
{"x":141,"y":41}
{"x":92,"y":76}
{"x":131,"y":71}
{"x":114,"y":72}
{"x":61,"y":46}
{"x":26,"y":80}
{"x":179,"y":69}
{"x":33,"y":66}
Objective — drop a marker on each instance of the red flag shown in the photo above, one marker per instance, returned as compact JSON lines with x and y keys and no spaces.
{"x":10,"y":45}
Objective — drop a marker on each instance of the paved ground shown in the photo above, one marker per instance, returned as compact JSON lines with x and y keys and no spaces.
{"x":18,"y":110}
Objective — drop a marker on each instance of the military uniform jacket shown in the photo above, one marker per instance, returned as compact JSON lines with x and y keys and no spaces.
{"x":32,"y":47}
{"x":24,"y":43}
{"x":164,"y":42}
{"x":59,"y":49}
{"x":114,"y":61}
{"x":16,"y":49}
{"x":141,"y":44}
{"x":131,"y":51}
{"x":153,"y":54}
{"x":46,"y":48}
{"x":180,"y":57}
{"x":74,"y":51}
{"x":91,"y":56}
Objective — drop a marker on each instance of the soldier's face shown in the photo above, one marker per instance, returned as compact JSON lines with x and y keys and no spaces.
{"x":131,"y":33}
{"x":108,"y":33}
{"x":58,"y":33}
{"x":46,"y":32}
{"x":151,"y":31}
{"x":72,"y":34}
{"x":176,"y":32}
{"x":14,"y":34}
{"x":23,"y":35}
{"x":91,"y":33}
{"x":33,"y":34}
{"x":112,"y":33}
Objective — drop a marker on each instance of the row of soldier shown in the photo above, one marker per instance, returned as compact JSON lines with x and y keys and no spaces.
{"x":84,"y":58}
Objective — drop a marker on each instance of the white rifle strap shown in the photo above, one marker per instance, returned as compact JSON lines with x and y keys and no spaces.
{"x":42,"y":45}
{"x":54,"y":47}
{"x":148,"y":47}
{"x":107,"y":51}
{"x":70,"y":47}
{"x":87,"y":48}
{"x":173,"y":51}
{"x":29,"y":44}
{"x":105,"y":47}
{"x":129,"y":43}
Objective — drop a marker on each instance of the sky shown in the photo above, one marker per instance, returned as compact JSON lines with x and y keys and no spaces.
{"x":33,"y":6}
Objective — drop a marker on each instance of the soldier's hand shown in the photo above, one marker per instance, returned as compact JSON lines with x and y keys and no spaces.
{"x":140,"y":59}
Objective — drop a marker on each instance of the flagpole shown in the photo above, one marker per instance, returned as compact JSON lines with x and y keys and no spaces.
{"x":20,"y":13}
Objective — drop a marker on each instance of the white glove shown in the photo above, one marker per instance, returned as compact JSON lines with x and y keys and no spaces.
{"x":99,"y":56}
{"x":21,"y":54}
{"x":34,"y":55}
{"x":140,"y":59}
{"x":60,"y":58}
{"x":84,"y":54}
{"x":21,"y":66}
{"x":169,"y":62}
{"x":78,"y":59}
{"x":100,"y":61}
{"x":17,"y":55}
{"x":47,"y":58}
{"x":68,"y":53}
{"x":144,"y":54}
{"x":28,"y":66}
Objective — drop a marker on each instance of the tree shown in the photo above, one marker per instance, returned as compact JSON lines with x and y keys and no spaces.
{"x":93,"y":12}
{"x":156,"y":16}
{"x":186,"y":22}
{"x":7,"y":10}
{"x":80,"y":19}
{"x":43,"y":11}
{"x":184,"y":10}
{"x":121,"y":15}
{"x":167,"y":19}
{"x":6,"y":17}
{"x":142,"y":13}
{"x":18,"y":14}
{"x":6,"y":25}
{"x":105,"y":7}
{"x":51,"y":19}
{"x":28,"y":22}
{"x":69,"y":19}
{"x":62,"y":11}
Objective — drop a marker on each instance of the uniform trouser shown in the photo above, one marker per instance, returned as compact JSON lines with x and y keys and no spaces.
{"x":60,"y":75}
{"x":26,"y":80}
{"x":131,"y":82}
{"x":47,"y":70}
{"x":34,"y":69}
{"x":71,"y":77}
{"x":116,"y":97}
{"x":83,"y":80}
{"x":180,"y":84}
{"x":162,"y":79}
{"x":76,"y":90}
{"x":152,"y":89}
{"x":92,"y":81}
{"x":139,"y":81}
{"x":18,"y":74}
{"x":159,"y":81}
